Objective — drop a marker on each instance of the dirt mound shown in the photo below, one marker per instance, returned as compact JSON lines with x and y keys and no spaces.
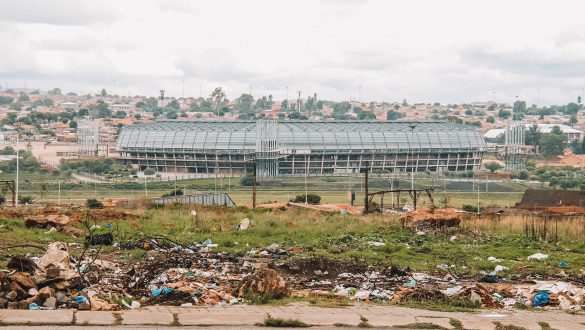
{"x":426,"y":218}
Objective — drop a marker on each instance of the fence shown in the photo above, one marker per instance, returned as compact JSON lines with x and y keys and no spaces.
{"x":220,"y":199}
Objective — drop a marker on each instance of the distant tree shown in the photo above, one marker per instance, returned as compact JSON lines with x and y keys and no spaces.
{"x":532,"y":136}
{"x":245,"y":103}
{"x":491,"y":119}
{"x":82,"y":112}
{"x":573,"y":120}
{"x":554,"y":181}
{"x":8,"y":150}
{"x":6,"y":100}
{"x":297,"y":116}
{"x":366,"y":115}
{"x":394,"y":115}
{"x":149,"y":171}
{"x":120,"y":114}
{"x":504,"y":114}
{"x":468,"y":112}
{"x":73,"y":124}
{"x":174,"y":104}
{"x":218,"y":96}
{"x":54,"y":91}
{"x":568,"y":184}
{"x":523,"y":175}
{"x":104,"y":93}
{"x":341,"y":108}
{"x":572,"y":108}
{"x":493,"y":166}
{"x":554,"y":143}
{"x":519,"y":107}
{"x":23,"y":98}
{"x":404,"y":103}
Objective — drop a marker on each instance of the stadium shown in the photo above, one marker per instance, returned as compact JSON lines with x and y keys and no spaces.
{"x":300,"y":147}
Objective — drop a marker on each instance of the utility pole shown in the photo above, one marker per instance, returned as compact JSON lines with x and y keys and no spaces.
{"x":478,"y":213}
{"x":306,"y":172}
{"x":366,"y":200}
{"x":59,"y":194}
{"x":17,"y":172}
{"x":145,"y":188}
{"x":254,"y":186}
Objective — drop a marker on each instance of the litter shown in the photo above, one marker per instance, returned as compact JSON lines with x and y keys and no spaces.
{"x":541,"y":298}
{"x":374,"y":243}
{"x":500,"y":268}
{"x":244,"y":224}
{"x":538,"y":256}
{"x":494,"y":259}
{"x":563,"y":264}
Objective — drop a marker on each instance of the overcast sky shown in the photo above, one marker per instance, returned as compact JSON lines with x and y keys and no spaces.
{"x":424,"y":51}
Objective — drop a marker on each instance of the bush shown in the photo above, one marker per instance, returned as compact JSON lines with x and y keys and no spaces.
{"x":93,"y":203}
{"x":178,"y":192}
{"x":248,"y":180}
{"x":310,"y":198}
{"x":472,"y":208}
{"x":26,"y":200}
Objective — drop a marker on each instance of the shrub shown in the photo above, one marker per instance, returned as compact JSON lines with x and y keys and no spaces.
{"x":178,"y":192}
{"x":26,"y":200}
{"x":248,"y":180}
{"x":310,"y":198}
{"x":93,"y":203}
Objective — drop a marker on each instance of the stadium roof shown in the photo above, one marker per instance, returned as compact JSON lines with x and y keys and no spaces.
{"x":399,"y":136}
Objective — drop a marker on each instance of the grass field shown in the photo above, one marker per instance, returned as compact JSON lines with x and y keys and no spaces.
{"x":312,"y":233}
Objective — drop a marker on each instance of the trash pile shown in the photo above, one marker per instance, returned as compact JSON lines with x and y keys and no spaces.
{"x":428,"y":218}
{"x":173,"y":274}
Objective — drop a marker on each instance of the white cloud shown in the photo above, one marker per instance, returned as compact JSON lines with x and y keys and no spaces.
{"x":422,"y":50}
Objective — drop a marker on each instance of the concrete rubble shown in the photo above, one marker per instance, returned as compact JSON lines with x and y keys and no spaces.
{"x":172,"y":274}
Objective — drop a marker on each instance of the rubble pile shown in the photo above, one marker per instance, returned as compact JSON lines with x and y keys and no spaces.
{"x":178,"y":275}
{"x":428,"y":218}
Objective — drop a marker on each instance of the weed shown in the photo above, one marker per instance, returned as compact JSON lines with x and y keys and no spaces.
{"x":500,"y":326}
{"x":545,"y":326}
{"x":420,"y":325}
{"x":364,"y":323}
{"x":270,"y":321}
{"x":456,"y":324}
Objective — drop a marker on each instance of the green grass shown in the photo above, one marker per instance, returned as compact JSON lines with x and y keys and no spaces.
{"x":336,"y":236}
{"x":456,"y":324}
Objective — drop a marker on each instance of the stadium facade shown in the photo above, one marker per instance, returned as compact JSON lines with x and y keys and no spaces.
{"x":290,"y":147}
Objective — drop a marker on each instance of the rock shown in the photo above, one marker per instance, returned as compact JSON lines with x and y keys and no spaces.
{"x":265,"y":282}
{"x":21,"y":264}
{"x":84,"y":307}
{"x":13,"y":305}
{"x":47,"y":292}
{"x":61,"y":297}
{"x":72,"y":304}
{"x":11,"y":295}
{"x":244,"y":224}
{"x":23,"y":304}
{"x":50,"y":303}
{"x":52,"y":272}
{"x":34,"y":299}
{"x":33,"y":292}
{"x":3,"y":303}
{"x":13,"y":286}
{"x":63,"y":285}
{"x":24,"y":280}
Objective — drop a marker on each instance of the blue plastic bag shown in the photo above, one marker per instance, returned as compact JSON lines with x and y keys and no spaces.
{"x":541,"y":298}
{"x":33,"y":307}
{"x":158,"y":292}
{"x":81,"y":300}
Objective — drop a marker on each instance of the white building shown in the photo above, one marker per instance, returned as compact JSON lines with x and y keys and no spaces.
{"x":571,"y":133}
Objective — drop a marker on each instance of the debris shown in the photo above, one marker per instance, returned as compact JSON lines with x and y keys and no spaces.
{"x":431,"y":218}
{"x":47,"y":221}
{"x":500,"y":268}
{"x":494,"y":259}
{"x":244,"y":224}
{"x":563,"y":264}
{"x":265,"y":282}
{"x":374,"y":243}
{"x":22,"y":264}
{"x":541,"y":298}
{"x":158,"y":292}
{"x":538,"y":256}
{"x":101,"y":239}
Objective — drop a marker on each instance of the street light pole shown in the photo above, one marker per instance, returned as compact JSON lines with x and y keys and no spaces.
{"x":17,"y":172}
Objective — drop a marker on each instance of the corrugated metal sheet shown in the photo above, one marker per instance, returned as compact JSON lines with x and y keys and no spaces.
{"x":221,"y":199}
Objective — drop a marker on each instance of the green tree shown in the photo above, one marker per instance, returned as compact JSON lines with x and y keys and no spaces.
{"x":23,"y":98}
{"x":519,"y":107}
{"x":54,"y":91}
{"x":218,"y":96}
{"x":493,"y":166}
{"x":394,"y":115}
{"x":532,"y":135}
{"x":149,"y":171}
{"x":104,"y":93}
{"x":490,"y":119}
{"x":504,"y":114}
{"x":573,"y":120}
{"x":366,"y":115}
{"x":554,"y":143}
